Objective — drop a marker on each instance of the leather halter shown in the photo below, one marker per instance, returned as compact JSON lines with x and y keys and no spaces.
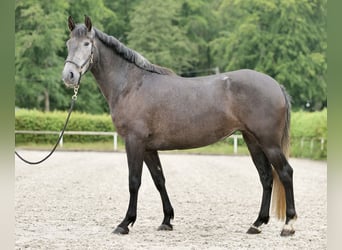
{"x":88,"y":62}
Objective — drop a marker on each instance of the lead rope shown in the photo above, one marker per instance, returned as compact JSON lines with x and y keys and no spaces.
{"x":73,"y":100}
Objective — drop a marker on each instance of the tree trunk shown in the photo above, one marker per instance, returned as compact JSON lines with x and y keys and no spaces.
{"x":47,"y":100}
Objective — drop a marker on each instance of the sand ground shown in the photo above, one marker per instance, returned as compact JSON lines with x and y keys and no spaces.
{"x":75,"y":199}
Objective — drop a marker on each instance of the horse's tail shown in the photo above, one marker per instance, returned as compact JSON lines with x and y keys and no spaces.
{"x":278,"y":194}
{"x":285,"y":140}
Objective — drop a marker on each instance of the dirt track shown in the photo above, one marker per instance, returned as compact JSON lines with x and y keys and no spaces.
{"x":75,"y":199}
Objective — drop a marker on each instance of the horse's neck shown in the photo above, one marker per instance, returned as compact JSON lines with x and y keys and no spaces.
{"x":110,"y":72}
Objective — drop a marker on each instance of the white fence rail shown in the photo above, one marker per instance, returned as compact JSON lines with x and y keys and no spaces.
{"x":311,"y":142}
{"x":114,"y":134}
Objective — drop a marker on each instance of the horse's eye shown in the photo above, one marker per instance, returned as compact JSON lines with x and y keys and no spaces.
{"x":86,"y":43}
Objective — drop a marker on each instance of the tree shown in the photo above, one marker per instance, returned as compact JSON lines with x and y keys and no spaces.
{"x":198,"y":22}
{"x":39,"y":38}
{"x":41,"y":32}
{"x":121,"y":27}
{"x":156,"y":34}
{"x":285,"y":39}
{"x":96,"y":9}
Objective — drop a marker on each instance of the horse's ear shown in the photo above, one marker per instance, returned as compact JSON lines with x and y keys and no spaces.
{"x":71,"y":23}
{"x":87,"y":23}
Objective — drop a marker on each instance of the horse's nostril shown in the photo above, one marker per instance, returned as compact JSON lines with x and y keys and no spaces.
{"x":71,"y":75}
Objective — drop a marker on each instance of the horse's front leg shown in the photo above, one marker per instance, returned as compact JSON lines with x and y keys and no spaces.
{"x":135,"y":156}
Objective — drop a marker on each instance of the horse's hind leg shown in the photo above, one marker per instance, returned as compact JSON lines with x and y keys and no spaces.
{"x":285,"y":173}
{"x":153,"y":163}
{"x":265,"y":173}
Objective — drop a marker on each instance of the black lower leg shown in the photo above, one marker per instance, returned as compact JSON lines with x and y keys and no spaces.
{"x":264,"y":169}
{"x":131,"y":213}
{"x":135,"y":156}
{"x":263,"y":216}
{"x":153,"y":163}
{"x":285,"y":173}
{"x":287,"y":179}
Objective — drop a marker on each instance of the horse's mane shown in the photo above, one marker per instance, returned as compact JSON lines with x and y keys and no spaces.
{"x":122,"y":50}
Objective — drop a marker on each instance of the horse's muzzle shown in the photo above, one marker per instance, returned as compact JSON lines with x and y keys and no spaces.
{"x":70,"y":76}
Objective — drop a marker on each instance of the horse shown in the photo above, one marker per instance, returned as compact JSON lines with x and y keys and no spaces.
{"x":154,"y":109}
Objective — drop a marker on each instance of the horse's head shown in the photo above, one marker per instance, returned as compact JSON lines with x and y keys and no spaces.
{"x":81,"y":47}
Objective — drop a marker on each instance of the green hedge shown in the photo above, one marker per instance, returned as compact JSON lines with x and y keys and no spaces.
{"x":306,"y":130}
{"x":306,"y":124}
{"x":54,"y":121}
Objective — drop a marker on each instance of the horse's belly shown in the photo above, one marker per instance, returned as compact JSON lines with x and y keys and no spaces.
{"x":183,"y":142}
{"x":190,"y":134}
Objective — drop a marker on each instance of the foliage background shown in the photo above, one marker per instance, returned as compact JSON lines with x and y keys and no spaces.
{"x":286,"y":39}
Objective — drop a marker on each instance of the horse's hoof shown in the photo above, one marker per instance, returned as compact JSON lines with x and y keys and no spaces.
{"x":287,"y":232}
{"x":120,"y":230}
{"x":165,"y":227}
{"x":253,"y":230}
{"x":288,"y":229}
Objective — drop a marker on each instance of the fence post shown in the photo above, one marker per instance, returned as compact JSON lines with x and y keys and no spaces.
{"x":311,"y":145}
{"x":61,"y":141}
{"x":322,"y":144}
{"x":302,"y":143}
{"x":115,"y":135}
{"x":235,"y":144}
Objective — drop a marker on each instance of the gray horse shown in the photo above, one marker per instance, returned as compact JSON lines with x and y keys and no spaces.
{"x":155,"y":109}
